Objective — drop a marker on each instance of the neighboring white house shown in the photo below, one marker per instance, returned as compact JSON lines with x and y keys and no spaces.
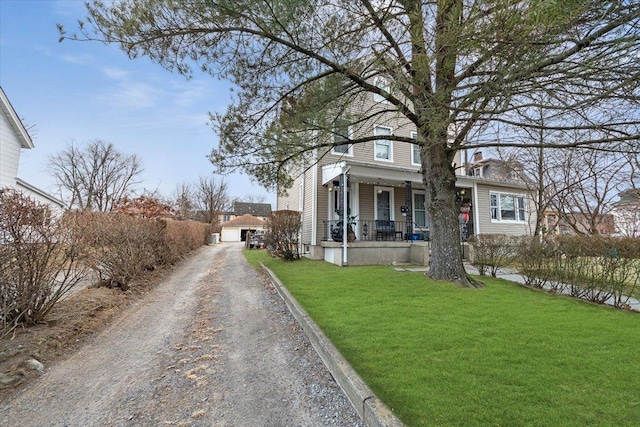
{"x":626,"y":212}
{"x":236,"y":230}
{"x":13,"y":138}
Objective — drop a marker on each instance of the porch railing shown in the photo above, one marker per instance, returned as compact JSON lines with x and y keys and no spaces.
{"x":381,"y":230}
{"x":372,"y":230}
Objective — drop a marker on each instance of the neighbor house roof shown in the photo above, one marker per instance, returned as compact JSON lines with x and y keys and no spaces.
{"x":244,"y":220}
{"x":14,"y":121}
{"x":256,"y":209}
{"x":33,"y":189}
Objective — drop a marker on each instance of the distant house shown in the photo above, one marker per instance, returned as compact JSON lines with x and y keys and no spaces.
{"x":578,"y":223}
{"x":236,"y":229}
{"x":259,"y":210}
{"x":13,"y":138}
{"x":627,"y":213}
{"x":494,"y":169}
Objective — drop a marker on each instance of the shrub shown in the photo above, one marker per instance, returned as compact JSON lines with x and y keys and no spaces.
{"x":40,"y":259}
{"x":536,"y":257}
{"x":182,"y":237}
{"x":281,"y":239}
{"x":596,"y":268}
{"x":120,"y":247}
{"x":491,"y":251}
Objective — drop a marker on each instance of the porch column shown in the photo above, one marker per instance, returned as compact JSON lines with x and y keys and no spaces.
{"x":344,"y":183}
{"x":408,"y":202}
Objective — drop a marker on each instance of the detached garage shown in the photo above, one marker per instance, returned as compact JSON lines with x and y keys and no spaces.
{"x":236,"y":229}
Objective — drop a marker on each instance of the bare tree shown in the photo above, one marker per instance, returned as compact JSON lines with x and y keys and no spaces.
{"x":212,"y":198}
{"x":94,"y":176}
{"x":585,"y":185}
{"x":450,"y":67}
{"x":183,"y":199}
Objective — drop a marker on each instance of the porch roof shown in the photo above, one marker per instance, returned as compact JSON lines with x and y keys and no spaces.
{"x":378,"y":174}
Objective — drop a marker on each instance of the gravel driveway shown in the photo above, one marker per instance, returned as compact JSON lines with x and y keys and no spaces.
{"x":213,"y":345}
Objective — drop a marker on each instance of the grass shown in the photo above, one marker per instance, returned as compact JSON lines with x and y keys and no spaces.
{"x":438,"y":354}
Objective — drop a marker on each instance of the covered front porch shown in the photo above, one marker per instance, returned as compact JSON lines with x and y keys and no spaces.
{"x":377,"y":215}
{"x":383,"y":204}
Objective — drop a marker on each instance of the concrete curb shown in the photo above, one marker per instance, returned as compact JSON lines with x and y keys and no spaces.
{"x":372,"y":410}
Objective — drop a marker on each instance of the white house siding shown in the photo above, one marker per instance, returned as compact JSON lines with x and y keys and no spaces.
{"x":9,"y":153}
{"x":307,"y":207}
{"x":486,"y":226}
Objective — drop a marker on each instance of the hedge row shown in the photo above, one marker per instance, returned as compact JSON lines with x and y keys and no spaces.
{"x":43,"y":254}
{"x":120,"y":247}
{"x":595,"y":268}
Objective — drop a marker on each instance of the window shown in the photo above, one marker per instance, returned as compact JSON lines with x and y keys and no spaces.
{"x":226,"y":218}
{"x":507,"y":207}
{"x":383,"y":147}
{"x":383,"y":84}
{"x":419,"y":210}
{"x":415,"y":151}
{"x":341,"y":135}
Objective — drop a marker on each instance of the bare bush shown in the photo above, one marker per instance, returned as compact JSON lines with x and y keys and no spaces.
{"x":536,"y":258}
{"x":182,"y":237}
{"x":120,"y":247}
{"x":491,"y":251}
{"x":283,"y":228}
{"x":595,"y":268}
{"x":40,"y":259}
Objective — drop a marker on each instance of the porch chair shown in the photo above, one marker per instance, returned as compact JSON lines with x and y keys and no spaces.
{"x":385,"y":229}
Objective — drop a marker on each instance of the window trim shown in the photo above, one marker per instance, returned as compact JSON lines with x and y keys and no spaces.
{"x":498,"y":208}
{"x":375,"y":144}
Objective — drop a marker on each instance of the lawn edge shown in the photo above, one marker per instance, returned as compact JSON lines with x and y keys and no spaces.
{"x":371,"y":409}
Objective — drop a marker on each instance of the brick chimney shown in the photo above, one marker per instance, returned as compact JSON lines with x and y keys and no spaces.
{"x":477,"y":156}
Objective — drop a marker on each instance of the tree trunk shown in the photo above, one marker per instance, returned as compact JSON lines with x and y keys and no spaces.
{"x":446,"y":251}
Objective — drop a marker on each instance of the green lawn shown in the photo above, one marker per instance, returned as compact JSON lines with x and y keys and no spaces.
{"x":438,"y":354}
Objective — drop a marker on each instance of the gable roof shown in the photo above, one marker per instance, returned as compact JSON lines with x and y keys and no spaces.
{"x":14,"y":121}
{"x":245,"y":220}
{"x":20,"y":184}
{"x":255,"y":209}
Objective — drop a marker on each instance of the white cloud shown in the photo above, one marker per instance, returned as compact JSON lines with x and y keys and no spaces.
{"x":77,"y":59}
{"x":115,"y":73}
{"x":133,"y":95}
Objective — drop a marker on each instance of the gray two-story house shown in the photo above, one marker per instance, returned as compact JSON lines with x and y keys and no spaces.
{"x":380,"y":183}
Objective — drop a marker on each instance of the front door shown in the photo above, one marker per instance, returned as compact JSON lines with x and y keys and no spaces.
{"x":384,"y":203}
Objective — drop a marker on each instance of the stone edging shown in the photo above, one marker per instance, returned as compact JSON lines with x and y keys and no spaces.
{"x":372,"y":410}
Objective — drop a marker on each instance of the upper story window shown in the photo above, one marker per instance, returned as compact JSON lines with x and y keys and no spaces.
{"x":383,"y":147}
{"x":507,"y":207}
{"x":341,"y":136}
{"x":382,"y":83}
{"x":415,"y":151}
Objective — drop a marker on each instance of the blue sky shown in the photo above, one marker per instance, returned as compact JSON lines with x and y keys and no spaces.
{"x":82,"y":91}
